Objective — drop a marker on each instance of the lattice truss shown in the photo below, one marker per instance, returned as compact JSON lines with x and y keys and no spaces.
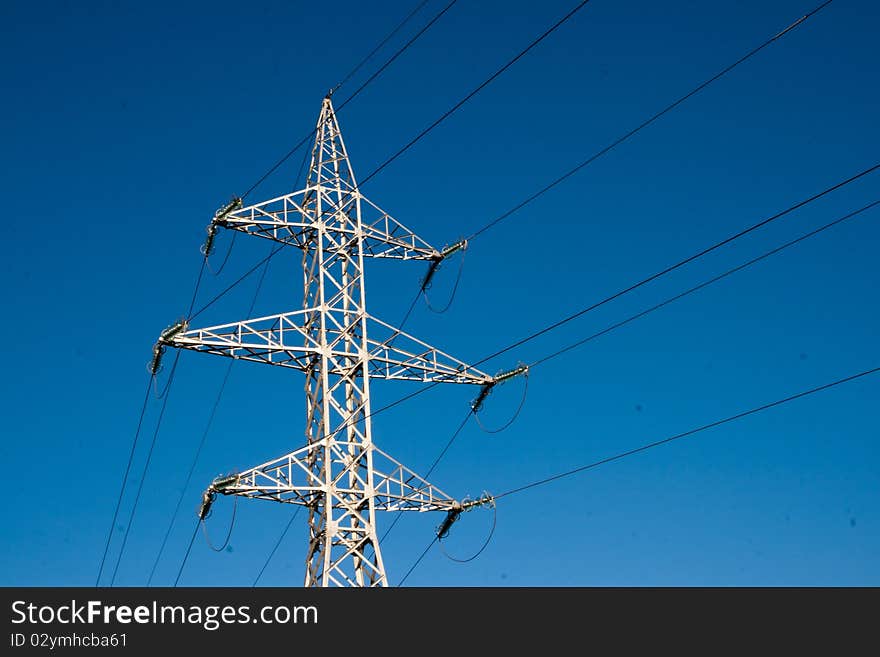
{"x":339,"y":475}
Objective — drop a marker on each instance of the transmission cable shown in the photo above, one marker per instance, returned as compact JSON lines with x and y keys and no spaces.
{"x":190,"y":473}
{"x":305,"y":139}
{"x":646,"y":123}
{"x":204,"y":437}
{"x":643,"y":313}
{"x":427,"y":474}
{"x":379,"y":45}
{"x":706,"y":283}
{"x":186,"y":554}
{"x":124,"y":480}
{"x":690,"y":432}
{"x":429,"y":386}
{"x":643,"y":448}
{"x":265,"y":263}
{"x":418,"y":561}
{"x":195,"y":293}
{"x":277,"y":544}
{"x":477,"y":90}
{"x":617,"y":325}
{"x":670,"y":300}
{"x":681,"y":263}
{"x":144,"y":473}
{"x":398,"y":53}
{"x":633,"y":287}
{"x":150,"y":383}
{"x":593,"y":157}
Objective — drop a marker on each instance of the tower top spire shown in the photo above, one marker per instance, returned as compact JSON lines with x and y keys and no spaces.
{"x":330,"y":166}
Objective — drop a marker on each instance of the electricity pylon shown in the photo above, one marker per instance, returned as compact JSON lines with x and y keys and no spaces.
{"x":339,"y":475}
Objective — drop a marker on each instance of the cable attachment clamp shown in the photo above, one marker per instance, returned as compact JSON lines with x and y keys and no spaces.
{"x":451,"y":516}
{"x":218,"y":220}
{"x":501,"y":377}
{"x":217,"y":486}
{"x":447,"y":251}
{"x":165,"y":337}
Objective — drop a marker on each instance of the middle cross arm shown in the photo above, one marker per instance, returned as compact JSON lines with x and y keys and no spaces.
{"x":284,"y":341}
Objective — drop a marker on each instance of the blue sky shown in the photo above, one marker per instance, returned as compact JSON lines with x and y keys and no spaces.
{"x":128,"y":125}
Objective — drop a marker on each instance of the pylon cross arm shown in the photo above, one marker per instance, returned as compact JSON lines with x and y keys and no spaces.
{"x":294,"y":218}
{"x":398,"y":355}
{"x":385,"y":237}
{"x":291,"y":479}
{"x":283,"y":340}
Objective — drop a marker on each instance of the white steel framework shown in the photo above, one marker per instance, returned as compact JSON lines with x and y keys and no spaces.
{"x":339,"y":475}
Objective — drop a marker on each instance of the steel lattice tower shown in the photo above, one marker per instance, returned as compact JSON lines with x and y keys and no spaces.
{"x":339,"y":474}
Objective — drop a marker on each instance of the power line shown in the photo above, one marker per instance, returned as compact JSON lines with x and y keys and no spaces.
{"x":580,"y":166}
{"x":409,"y":310}
{"x":704,"y":284}
{"x":265,"y":262}
{"x":624,"y":322}
{"x":237,"y":281}
{"x":600,"y":153}
{"x":633,"y":287}
{"x":685,"y":434}
{"x":477,"y":90}
{"x":277,"y":544}
{"x":188,"y":550}
{"x":418,"y":561}
{"x":146,"y":467}
{"x":681,"y":263}
{"x":397,"y":54}
{"x":124,"y":480}
{"x":791,"y":27}
{"x":204,"y":437}
{"x":597,"y":155}
{"x":198,"y":284}
{"x":189,"y":474}
{"x":431,"y":469}
{"x":134,"y":443}
{"x":658,"y":306}
{"x":643,"y":448}
{"x":617,"y":325}
{"x":380,"y":44}
{"x":645,"y":123}
{"x":302,"y":141}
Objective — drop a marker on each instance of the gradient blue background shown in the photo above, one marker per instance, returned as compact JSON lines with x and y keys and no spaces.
{"x":127,"y":124}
